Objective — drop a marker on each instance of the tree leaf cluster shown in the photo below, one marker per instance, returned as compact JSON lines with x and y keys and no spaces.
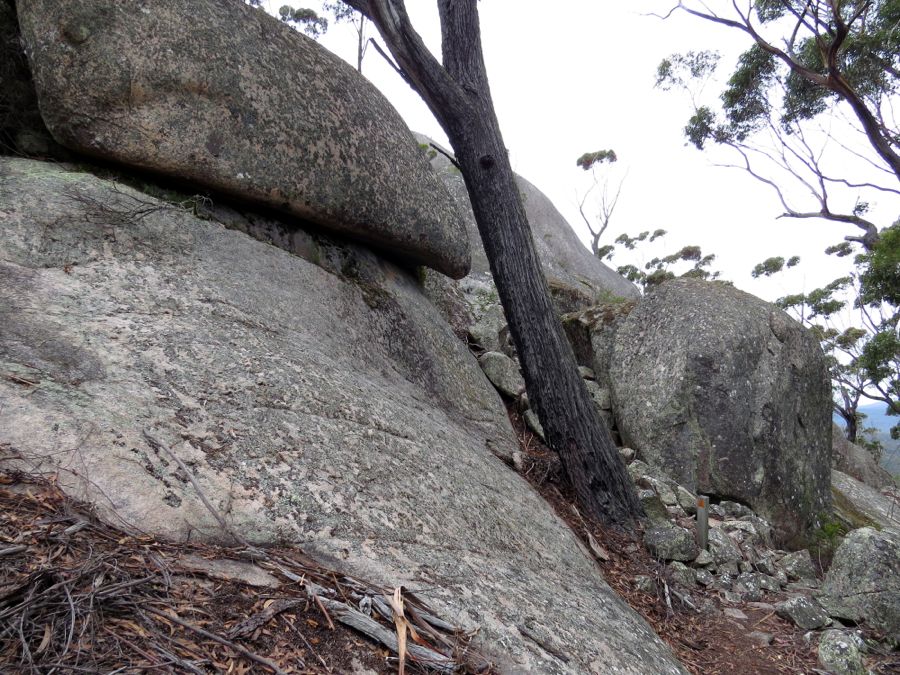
{"x":660,"y":269}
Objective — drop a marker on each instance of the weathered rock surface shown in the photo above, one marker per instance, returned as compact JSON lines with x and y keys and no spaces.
{"x":503,"y":373}
{"x":566,"y":261}
{"x":728,"y":396}
{"x":322,"y":405}
{"x":591,"y":333}
{"x":863,"y":582}
{"x":22,"y":131}
{"x":839,"y":653}
{"x":803,"y":611}
{"x":858,"y":505}
{"x":245,"y":106}
{"x":857,"y":462}
{"x":670,"y":542}
{"x":798,"y":565}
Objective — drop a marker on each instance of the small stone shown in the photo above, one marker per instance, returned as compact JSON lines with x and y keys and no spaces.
{"x":731,"y":597}
{"x":760,"y":638}
{"x":586,"y":373}
{"x":803,"y":611}
{"x":518,"y":462}
{"x":682,"y":574}
{"x":531,"y":419}
{"x":627,"y":454}
{"x":703,"y":558}
{"x":637,"y":469}
{"x":734,"y":613}
{"x":728,"y":568}
{"x":645,"y":584}
{"x":653,"y":506}
{"x":503,"y":373}
{"x":803,"y":586}
{"x":717,"y":511}
{"x":599,"y":395}
{"x":723,"y":548}
{"x":666,"y":494}
{"x":686,"y":500}
{"x":734,"y":509}
{"x":798,"y":565}
{"x":670,"y":542}
{"x":704,"y":577}
{"x":766,"y":566}
{"x":839,"y":653}
{"x":744,"y":567}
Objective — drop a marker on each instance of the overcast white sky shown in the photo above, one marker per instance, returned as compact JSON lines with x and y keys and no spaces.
{"x":577,"y":76}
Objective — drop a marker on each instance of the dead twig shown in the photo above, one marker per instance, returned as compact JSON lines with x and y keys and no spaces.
{"x":217,"y":638}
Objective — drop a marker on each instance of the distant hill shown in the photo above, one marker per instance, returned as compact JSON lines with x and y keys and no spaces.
{"x":878,"y":419}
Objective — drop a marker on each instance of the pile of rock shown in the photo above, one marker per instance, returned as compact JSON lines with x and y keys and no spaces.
{"x":861,"y":587}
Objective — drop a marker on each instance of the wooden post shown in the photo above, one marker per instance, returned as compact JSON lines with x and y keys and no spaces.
{"x":702,"y":521}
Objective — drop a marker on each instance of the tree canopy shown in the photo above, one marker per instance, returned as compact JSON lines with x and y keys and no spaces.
{"x":806,"y":61}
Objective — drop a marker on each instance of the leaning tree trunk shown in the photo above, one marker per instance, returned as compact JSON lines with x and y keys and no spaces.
{"x":459,"y":96}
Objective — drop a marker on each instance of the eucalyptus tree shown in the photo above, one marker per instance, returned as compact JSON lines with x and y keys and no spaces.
{"x":807,"y":61}
{"x":456,"y":90}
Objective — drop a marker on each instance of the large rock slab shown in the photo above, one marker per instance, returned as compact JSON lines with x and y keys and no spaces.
{"x":22,"y":131}
{"x":857,"y":462}
{"x":568,"y":264}
{"x":863,"y":582}
{"x":728,"y":396}
{"x":858,"y":505}
{"x":226,"y":96}
{"x":323,"y":405}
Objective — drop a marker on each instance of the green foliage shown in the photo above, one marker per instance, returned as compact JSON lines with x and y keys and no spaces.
{"x":660,"y":268}
{"x":589,"y":159}
{"x":702,"y":127}
{"x":429,"y":151}
{"x":746,"y":98}
{"x":679,"y":69}
{"x":804,"y":56}
{"x":305,"y":19}
{"x":768,"y":267}
{"x":841,"y":250}
{"x":864,"y":358}
{"x":880,"y":280}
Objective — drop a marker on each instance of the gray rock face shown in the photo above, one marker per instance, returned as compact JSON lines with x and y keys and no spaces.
{"x":670,"y":542}
{"x":591,"y":333}
{"x":245,"y":106}
{"x":503,"y":373}
{"x":857,"y":462}
{"x":803,"y":611}
{"x":22,"y":131}
{"x":863,"y":582}
{"x":839,"y":653}
{"x":728,"y":396}
{"x":324,"y":405}
{"x":722,"y":548}
{"x":565,"y":259}
{"x":798,"y":565}
{"x":858,"y":505}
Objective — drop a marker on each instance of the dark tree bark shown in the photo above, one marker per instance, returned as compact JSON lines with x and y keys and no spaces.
{"x":458,"y":95}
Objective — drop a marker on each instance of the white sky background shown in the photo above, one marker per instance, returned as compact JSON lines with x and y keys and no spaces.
{"x":577,"y":76}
